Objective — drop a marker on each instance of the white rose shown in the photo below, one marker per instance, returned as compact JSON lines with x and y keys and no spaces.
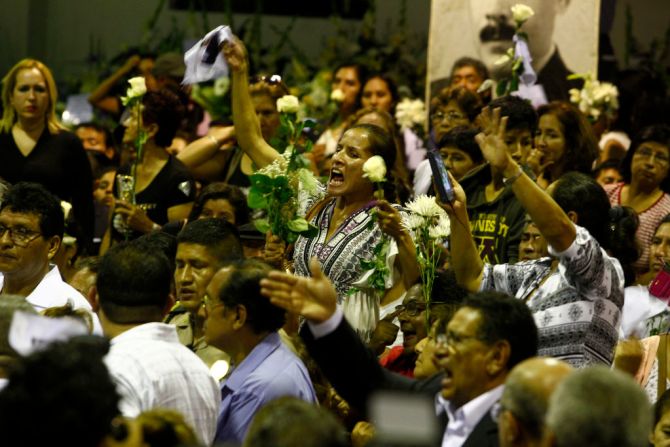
{"x":288,"y":104}
{"x":521,"y":13}
{"x":138,"y":87}
{"x":337,"y":95}
{"x":374,"y":169}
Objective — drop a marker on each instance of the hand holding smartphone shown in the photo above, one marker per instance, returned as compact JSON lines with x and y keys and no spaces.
{"x":445,"y":190}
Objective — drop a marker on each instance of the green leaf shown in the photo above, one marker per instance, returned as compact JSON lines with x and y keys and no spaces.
{"x":291,"y":237}
{"x":256,"y":199}
{"x":261,"y":182}
{"x":501,"y":89}
{"x":514,"y":84}
{"x":298,"y":225}
{"x":262,"y":225}
{"x":309,"y":123}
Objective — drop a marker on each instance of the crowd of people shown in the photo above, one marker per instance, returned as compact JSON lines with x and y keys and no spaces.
{"x":164,"y":317}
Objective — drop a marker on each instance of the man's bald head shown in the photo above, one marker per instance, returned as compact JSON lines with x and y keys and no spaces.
{"x":526,"y":398}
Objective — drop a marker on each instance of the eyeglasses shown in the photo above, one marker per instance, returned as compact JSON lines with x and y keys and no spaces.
{"x":20,"y":236}
{"x":659,"y":157}
{"x":412,"y":308}
{"x":449,"y":116}
{"x":452,"y":339}
{"x":208,"y":303}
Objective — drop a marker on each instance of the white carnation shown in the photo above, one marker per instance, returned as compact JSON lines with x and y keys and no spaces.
{"x":521,"y":13}
{"x":413,"y":221}
{"x":442,"y":229}
{"x":374,"y":169}
{"x":425,"y":206}
{"x":337,"y":95}
{"x":288,"y":104}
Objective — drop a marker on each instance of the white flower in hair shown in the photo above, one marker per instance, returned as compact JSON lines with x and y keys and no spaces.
{"x":288,"y":104}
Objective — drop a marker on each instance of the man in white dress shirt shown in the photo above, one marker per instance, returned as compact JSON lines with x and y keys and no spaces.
{"x":31,"y":230}
{"x":152,"y":369}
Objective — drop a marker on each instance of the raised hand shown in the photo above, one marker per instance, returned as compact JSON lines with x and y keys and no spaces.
{"x":134,"y":216}
{"x":460,"y":200}
{"x":491,"y":139}
{"x":274,"y":251}
{"x":235,"y":55}
{"x":314,"y":298}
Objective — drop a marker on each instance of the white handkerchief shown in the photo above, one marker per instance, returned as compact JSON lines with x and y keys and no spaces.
{"x":29,"y":333}
{"x":204,"y":61}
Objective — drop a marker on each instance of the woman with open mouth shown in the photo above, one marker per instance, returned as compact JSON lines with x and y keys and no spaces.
{"x":343,"y":212}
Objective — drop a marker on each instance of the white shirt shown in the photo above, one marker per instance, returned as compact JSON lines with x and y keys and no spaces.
{"x":463,"y":420}
{"x":423,"y":177}
{"x":152,"y":369}
{"x":52,"y":291}
{"x":639,"y":307}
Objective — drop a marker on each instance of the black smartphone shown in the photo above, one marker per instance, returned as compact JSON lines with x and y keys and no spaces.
{"x":211,"y":50}
{"x":440,"y":177}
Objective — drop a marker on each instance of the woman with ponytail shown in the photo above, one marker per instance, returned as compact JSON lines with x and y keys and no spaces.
{"x":577,"y":293}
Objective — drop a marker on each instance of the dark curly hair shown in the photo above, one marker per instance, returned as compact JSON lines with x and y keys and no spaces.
{"x":77,"y":393}
{"x":33,"y":198}
{"x":165,"y":109}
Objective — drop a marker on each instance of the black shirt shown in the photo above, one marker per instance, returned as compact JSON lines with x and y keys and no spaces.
{"x":59,"y":163}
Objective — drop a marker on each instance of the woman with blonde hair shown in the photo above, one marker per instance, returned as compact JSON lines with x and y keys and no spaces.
{"x":35,"y":147}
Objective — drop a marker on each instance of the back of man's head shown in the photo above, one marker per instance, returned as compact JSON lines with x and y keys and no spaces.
{"x":519,"y":112}
{"x":243,"y":288}
{"x":599,"y":407}
{"x":68,"y":381}
{"x":219,"y":236}
{"x":33,"y":198}
{"x":506,"y":318}
{"x":133,"y":284}
{"x":288,"y":422}
{"x":527,"y":391}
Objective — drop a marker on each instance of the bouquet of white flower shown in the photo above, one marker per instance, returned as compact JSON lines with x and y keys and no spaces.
{"x":429,"y":226}
{"x":410,"y":114}
{"x":276,"y":187}
{"x":596,"y":98}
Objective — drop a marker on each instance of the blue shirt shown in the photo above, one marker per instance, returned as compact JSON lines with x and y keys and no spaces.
{"x":270,"y":371}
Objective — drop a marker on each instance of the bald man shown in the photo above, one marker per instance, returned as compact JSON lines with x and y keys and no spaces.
{"x":524,"y":402}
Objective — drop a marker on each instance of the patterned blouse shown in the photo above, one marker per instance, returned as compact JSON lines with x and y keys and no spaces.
{"x":577,"y":308}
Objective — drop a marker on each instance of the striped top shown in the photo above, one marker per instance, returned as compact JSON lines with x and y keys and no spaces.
{"x":649,"y":220}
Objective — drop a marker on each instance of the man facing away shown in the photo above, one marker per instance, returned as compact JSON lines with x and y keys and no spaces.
{"x":151,"y":368}
{"x":243,"y":323}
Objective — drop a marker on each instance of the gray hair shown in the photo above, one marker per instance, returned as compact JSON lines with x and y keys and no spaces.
{"x":599,"y":407}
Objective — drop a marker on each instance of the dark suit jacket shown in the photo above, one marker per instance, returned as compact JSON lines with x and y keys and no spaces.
{"x":553,"y":78}
{"x":355,"y":373}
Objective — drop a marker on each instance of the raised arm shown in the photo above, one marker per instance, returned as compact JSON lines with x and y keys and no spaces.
{"x":465,"y":261}
{"x":406,"y":262}
{"x":247,"y":127}
{"x":100,"y":97}
{"x":206,"y":157}
{"x":551,"y":220}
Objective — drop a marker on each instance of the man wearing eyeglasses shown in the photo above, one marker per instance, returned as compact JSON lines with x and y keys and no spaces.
{"x":244,"y":324}
{"x":31,"y":230}
{"x":488,"y":335}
